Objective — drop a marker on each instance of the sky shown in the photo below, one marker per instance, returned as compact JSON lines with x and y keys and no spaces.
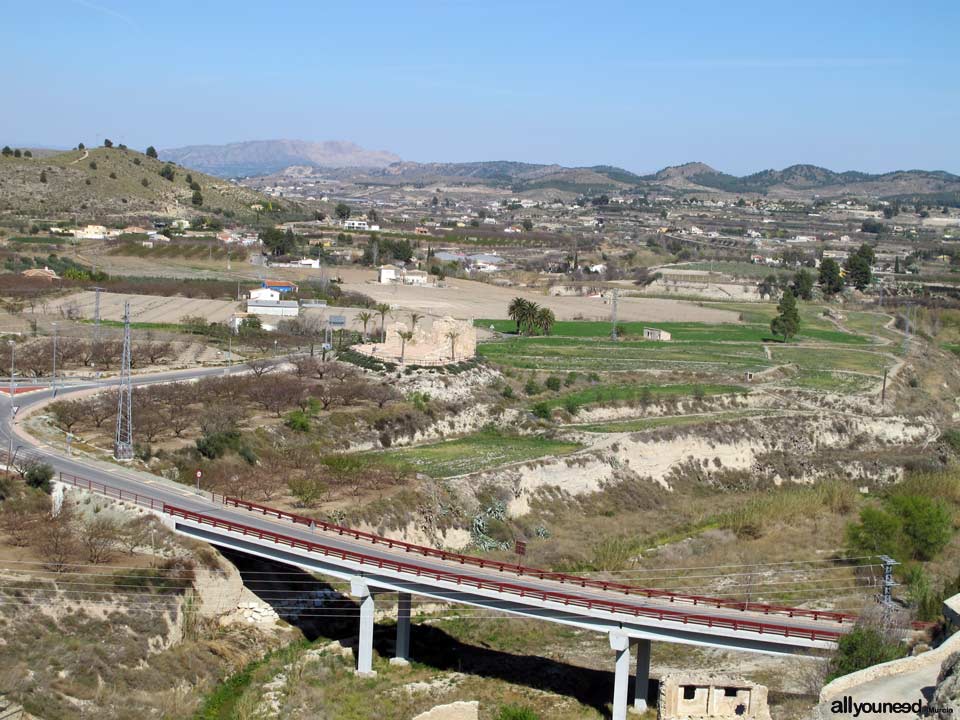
{"x":849,"y":84}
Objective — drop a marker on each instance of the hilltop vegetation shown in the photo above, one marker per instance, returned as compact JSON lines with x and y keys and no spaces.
{"x":115,"y":182}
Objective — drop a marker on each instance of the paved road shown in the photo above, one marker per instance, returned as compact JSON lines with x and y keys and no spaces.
{"x":134,"y":481}
{"x":906,"y":687}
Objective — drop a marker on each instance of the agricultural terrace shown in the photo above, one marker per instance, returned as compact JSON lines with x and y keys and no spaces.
{"x":846,"y":355}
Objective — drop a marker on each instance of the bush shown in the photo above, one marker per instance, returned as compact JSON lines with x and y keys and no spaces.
{"x":861,"y":648}
{"x":698,"y":392}
{"x":515,"y":712}
{"x":553,"y":383}
{"x":507,"y":392}
{"x":542,"y":410}
{"x":532,"y":387}
{"x":298,"y":420}
{"x":39,"y":476}
{"x":927,"y":524}
{"x":952,"y":438}
{"x":571,"y":405}
{"x":571,"y":378}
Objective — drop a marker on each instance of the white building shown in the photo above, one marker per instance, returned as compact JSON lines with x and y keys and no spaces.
{"x":656,"y":334}
{"x":279,"y":308}
{"x":263,"y":293}
{"x":388,"y":274}
{"x":355,"y":225}
{"x":416,"y":277}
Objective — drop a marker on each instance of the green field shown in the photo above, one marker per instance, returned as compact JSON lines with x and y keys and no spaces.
{"x":480,"y":451}
{"x":672,"y":421}
{"x":623,"y":392}
{"x":685,"y":332}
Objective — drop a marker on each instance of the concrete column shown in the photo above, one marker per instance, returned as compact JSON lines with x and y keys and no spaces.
{"x":621,"y":678}
{"x":643,"y":676}
{"x":403,"y":630}
{"x":360,"y":590}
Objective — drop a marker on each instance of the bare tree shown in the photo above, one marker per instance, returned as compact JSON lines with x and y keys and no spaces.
{"x":260,"y":366}
{"x":381,"y":394}
{"x":56,"y":539}
{"x":100,"y":408}
{"x":69,"y":413}
{"x":21,"y":515}
{"x":100,"y":537}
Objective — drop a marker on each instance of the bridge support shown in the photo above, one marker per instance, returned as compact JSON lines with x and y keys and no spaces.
{"x":643,"y":676}
{"x":402,"y":655}
{"x":621,"y":677}
{"x":359,"y":589}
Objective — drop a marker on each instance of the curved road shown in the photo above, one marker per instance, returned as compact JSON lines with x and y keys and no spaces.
{"x":133,"y":481}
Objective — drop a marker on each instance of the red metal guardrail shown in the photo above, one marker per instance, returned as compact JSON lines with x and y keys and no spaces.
{"x":525,"y":571}
{"x":686,"y":618}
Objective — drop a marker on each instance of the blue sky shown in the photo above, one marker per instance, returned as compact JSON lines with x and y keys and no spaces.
{"x":743,"y":86}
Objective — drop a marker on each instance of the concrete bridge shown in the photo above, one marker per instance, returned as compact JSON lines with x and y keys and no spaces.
{"x":632,"y":617}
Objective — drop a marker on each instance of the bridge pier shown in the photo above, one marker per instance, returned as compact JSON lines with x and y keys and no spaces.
{"x":621,"y":676}
{"x":402,"y":654}
{"x":643,"y":676}
{"x":359,"y":589}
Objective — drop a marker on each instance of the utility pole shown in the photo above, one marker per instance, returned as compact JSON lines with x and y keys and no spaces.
{"x":13,"y":394}
{"x":96,"y":315}
{"x":54,"y":373}
{"x":123,"y":445}
{"x":889,"y":583}
{"x":883,"y":392}
{"x":613,"y":315}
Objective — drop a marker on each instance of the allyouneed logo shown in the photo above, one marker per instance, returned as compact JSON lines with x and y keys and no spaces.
{"x":848,"y":706}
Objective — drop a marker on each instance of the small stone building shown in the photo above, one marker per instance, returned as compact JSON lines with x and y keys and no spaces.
{"x":709,"y":697}
{"x":655,"y":334}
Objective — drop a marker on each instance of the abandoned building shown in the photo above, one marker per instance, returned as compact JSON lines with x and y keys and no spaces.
{"x":709,"y":697}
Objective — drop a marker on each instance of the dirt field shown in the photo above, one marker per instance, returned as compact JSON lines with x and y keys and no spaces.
{"x":466,"y":299}
{"x":145,"y":308}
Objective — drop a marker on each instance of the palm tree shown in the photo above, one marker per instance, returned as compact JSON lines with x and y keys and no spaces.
{"x":544,"y":320}
{"x":517,"y":310}
{"x":405,"y":335}
{"x":364,"y":317}
{"x":415,"y":317}
{"x":528,"y":317}
{"x":453,"y":336}
{"x":383,"y":309}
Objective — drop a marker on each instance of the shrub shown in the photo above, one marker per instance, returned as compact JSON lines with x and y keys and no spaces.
{"x":571,"y":405}
{"x":515,"y":712}
{"x":507,"y":392}
{"x":542,"y":410}
{"x":298,"y":420}
{"x":553,"y":383}
{"x":877,"y":533}
{"x":926,"y":524}
{"x":861,"y":648}
{"x":952,"y":438}
{"x":39,"y":476}
{"x":698,"y":392}
{"x":571,"y":378}
{"x":532,"y":387}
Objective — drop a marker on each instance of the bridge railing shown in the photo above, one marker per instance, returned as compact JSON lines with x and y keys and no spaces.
{"x":524,"y":571}
{"x":111,"y":492}
{"x":507,"y":588}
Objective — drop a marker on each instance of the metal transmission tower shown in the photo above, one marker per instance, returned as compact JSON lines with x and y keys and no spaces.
{"x":613,"y":315}
{"x":123,"y":446}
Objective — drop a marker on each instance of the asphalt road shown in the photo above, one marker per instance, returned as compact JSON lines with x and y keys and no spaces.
{"x":133,"y":481}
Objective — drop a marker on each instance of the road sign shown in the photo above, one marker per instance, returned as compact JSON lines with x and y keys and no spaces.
{"x":199,"y":474}
{"x":520,"y":547}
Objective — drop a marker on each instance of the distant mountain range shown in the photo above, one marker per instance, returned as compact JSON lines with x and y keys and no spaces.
{"x":262,"y":157}
{"x":349,"y":162}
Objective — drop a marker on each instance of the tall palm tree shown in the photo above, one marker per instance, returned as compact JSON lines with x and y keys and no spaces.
{"x":365,"y":317}
{"x":405,"y":335}
{"x":517,"y":310}
{"x":415,"y":317}
{"x":383,"y":309}
{"x":453,"y":336}
{"x":528,"y":317}
{"x":544,"y":320}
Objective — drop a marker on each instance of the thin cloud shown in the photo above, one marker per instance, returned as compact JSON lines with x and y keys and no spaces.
{"x":769,"y":63}
{"x":110,"y":12}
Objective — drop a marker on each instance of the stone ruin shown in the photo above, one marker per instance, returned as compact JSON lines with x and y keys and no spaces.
{"x":711,"y":697}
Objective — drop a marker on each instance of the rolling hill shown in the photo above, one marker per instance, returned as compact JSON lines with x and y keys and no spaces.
{"x":262,"y":157}
{"x":113,"y":183}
